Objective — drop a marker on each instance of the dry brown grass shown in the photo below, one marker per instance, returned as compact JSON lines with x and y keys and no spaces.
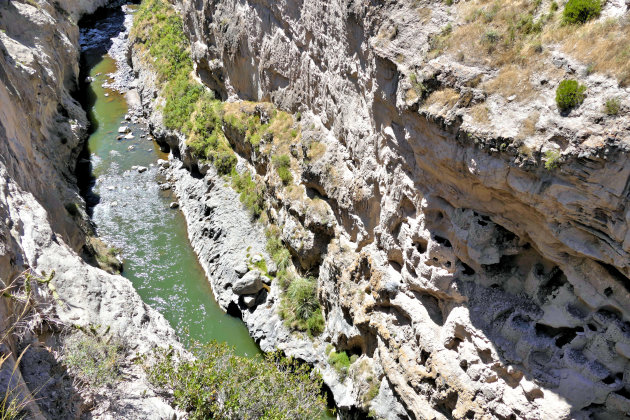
{"x":446,"y":98}
{"x":515,"y":34}
{"x":605,"y":45}
{"x":316,"y":150}
{"x":281,"y":124}
{"x":480,"y":114}
{"x":511,"y":80}
{"x":528,"y":127}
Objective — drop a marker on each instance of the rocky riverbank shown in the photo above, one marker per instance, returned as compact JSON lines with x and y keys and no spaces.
{"x":45,"y":228}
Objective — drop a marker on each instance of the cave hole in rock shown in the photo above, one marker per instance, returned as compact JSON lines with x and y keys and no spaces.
{"x":617,"y":275}
{"x":469,"y":414}
{"x":608,"y":292}
{"x":592,"y":327}
{"x":609,"y":313}
{"x":504,"y":266}
{"x":395,"y":265}
{"x":446,"y":404}
{"x":421,"y":245}
{"x":467,"y":270}
{"x":407,"y":208}
{"x":315,"y":191}
{"x":611,"y":379}
{"x":432,"y":305}
{"x":464,"y":365}
{"x":556,"y":280}
{"x":504,"y":235}
{"x":624,"y":392}
{"x":562,"y":335}
{"x":424,"y":356}
{"x":442,"y":241}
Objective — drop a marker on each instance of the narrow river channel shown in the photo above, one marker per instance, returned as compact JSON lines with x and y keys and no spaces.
{"x":132,"y":213}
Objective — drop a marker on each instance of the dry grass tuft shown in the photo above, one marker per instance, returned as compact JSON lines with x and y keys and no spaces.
{"x":528,"y":128}
{"x":480,"y":114}
{"x":446,"y":98}
{"x":603,"y":44}
{"x":511,"y":80}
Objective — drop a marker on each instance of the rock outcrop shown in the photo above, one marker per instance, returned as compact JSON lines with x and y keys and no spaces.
{"x":477,"y":269}
{"x":44,"y":225}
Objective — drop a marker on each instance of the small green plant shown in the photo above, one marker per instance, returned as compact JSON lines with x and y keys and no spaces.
{"x":300,"y":306}
{"x":551,"y":159}
{"x":340,"y":361}
{"x":283,"y":168}
{"x":220,"y":385}
{"x":372,"y":392}
{"x":581,"y":11}
{"x":250,"y":194}
{"x":418,"y":86}
{"x":491,"y":37}
{"x":554,"y":6}
{"x":569,"y":94}
{"x":95,"y":362}
{"x":277,"y":251}
{"x":612,"y":105}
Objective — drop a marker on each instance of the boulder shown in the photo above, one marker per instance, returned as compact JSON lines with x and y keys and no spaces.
{"x":123,"y":129}
{"x":129,"y":136}
{"x":241,"y":269}
{"x":163,"y":163}
{"x":249,"y":284}
{"x":250,"y":301}
{"x":174,"y":205}
{"x":142,"y":169}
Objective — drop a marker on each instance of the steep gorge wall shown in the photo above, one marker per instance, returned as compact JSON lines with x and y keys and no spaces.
{"x":481,"y":282}
{"x":43,"y":225}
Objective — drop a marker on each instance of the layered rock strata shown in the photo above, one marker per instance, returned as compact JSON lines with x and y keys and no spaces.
{"x":473,"y":280}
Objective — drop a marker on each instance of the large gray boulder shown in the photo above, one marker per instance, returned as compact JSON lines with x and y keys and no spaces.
{"x":249,"y":284}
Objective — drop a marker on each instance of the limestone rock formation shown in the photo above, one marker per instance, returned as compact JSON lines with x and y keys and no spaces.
{"x":479,"y":267}
{"x":43,"y":225}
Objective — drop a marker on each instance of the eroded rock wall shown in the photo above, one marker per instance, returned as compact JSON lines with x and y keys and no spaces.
{"x":43,"y":224}
{"x":479,"y":281}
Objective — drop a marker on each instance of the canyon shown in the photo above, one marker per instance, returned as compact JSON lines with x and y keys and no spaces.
{"x":469,"y":240}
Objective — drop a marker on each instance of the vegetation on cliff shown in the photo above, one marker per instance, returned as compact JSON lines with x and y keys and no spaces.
{"x":220,"y":385}
{"x":195,"y":112}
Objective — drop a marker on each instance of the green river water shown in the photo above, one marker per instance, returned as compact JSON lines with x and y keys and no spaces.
{"x":134,"y":215}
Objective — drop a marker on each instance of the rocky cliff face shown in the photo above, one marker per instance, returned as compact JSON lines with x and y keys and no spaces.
{"x":481,"y":264}
{"x":43,"y":227}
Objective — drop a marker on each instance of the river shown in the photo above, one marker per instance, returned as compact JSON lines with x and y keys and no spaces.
{"x":131,"y":213}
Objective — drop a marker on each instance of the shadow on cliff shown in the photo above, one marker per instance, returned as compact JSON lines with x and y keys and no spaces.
{"x":97,"y":31}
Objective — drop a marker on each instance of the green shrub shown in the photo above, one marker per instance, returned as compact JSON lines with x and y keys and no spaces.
{"x":580,"y":11}
{"x":551,"y":159}
{"x":181,"y":99}
{"x":340,"y":361}
{"x":554,"y":6}
{"x":94,"y":362}
{"x":372,"y":392}
{"x":300,"y":306}
{"x":569,"y":94}
{"x":250,"y":194}
{"x":224,"y":161}
{"x":612,"y":105}
{"x":277,"y":251}
{"x":221,"y":385}
{"x":283,"y":168}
